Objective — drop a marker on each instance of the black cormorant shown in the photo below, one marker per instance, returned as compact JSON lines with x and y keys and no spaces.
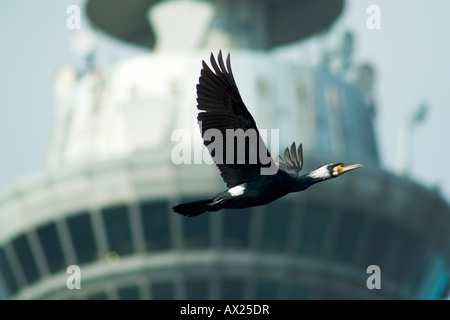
{"x":221,"y":109}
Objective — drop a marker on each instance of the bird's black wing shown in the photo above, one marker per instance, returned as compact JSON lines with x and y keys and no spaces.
{"x":222,"y":108}
{"x":293,"y":160}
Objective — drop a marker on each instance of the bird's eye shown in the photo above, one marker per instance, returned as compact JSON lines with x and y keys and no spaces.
{"x":337,"y":170}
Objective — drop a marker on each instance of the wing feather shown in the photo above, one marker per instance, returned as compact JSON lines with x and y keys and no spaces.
{"x":221,"y":107}
{"x":293,"y":160}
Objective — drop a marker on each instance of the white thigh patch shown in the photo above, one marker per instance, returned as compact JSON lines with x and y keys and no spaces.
{"x":237,"y":190}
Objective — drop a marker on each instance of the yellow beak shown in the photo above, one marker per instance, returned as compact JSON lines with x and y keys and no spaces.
{"x":348,"y":167}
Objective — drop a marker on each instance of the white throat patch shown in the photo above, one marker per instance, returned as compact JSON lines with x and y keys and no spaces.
{"x":237,"y":190}
{"x":320,"y":173}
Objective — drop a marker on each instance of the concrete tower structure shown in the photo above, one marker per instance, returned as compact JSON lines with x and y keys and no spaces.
{"x":102,"y":200}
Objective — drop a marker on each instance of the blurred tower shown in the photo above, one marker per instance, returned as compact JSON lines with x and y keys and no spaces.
{"x":103,"y":198}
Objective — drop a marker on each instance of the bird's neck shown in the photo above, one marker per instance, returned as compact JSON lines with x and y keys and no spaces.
{"x":305,"y":181}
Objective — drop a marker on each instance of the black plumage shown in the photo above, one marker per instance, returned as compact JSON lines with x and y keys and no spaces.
{"x":222,"y":109}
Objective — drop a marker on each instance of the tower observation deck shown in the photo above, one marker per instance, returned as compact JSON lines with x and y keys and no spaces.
{"x":103,"y":199}
{"x":253,"y":24}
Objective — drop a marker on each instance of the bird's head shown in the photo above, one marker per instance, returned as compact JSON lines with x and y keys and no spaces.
{"x":332,"y":170}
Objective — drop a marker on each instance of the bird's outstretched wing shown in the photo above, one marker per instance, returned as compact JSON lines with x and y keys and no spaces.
{"x":221,"y":108}
{"x":293,"y":160}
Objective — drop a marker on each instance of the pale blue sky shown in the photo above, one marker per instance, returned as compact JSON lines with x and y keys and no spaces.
{"x":411,"y":55}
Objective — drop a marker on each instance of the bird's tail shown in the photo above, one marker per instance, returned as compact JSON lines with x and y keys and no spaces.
{"x":195,"y":208}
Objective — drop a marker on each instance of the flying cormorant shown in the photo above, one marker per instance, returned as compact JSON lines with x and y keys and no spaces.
{"x":222,"y":111}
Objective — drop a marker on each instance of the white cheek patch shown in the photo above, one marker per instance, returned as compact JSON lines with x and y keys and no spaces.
{"x":320,"y":173}
{"x":335,"y":171}
{"x":237,"y":190}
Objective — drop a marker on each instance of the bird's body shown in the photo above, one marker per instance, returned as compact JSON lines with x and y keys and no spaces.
{"x":256,"y":192}
{"x":250,"y":182}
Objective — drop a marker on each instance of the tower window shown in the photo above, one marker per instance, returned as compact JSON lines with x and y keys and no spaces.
{"x":25,"y":257}
{"x":196,"y":231}
{"x":51,"y":245}
{"x":197,"y":289}
{"x":313,"y":230}
{"x":156,"y":225}
{"x":7,"y":275}
{"x":347,"y":237}
{"x":117,"y":226}
{"x":232,"y":288}
{"x":266,"y":290}
{"x":276,"y":224}
{"x":81,"y":232}
{"x":98,"y":296}
{"x":236,"y":226}
{"x":163,"y":291}
{"x":130,"y":292}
